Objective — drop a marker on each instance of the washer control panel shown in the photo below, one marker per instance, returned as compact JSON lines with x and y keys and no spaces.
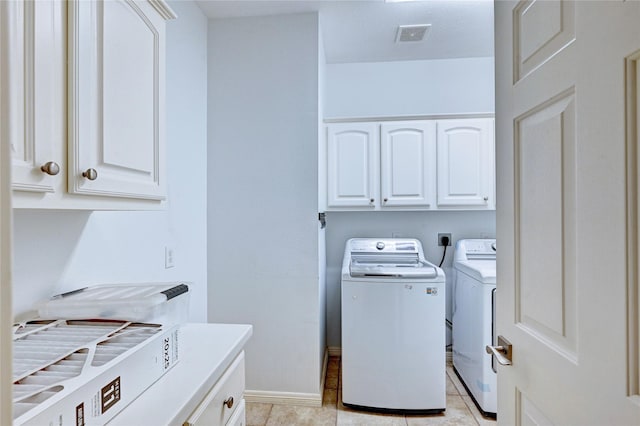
{"x":364,"y":245}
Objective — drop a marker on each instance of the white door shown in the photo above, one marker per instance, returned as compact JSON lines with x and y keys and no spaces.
{"x":465,"y":163}
{"x":567,"y":267}
{"x":6,"y":315}
{"x":116,"y":98}
{"x":352,"y":165}
{"x":36,"y":94}
{"x":407,"y":162}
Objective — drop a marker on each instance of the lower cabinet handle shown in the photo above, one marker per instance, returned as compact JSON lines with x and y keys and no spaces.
{"x":228,"y":402}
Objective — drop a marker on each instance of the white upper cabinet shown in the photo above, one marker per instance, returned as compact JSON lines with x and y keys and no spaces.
{"x":35,"y":94}
{"x":407,"y":159}
{"x":410,"y":165}
{"x":116,"y":98}
{"x":352,"y":165}
{"x":466,"y":163}
{"x":84,"y":108}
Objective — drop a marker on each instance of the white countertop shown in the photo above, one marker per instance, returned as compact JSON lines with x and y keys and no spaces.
{"x":207,"y":350}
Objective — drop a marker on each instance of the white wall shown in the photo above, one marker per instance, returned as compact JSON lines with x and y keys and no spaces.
{"x":57,"y":251}
{"x":263,"y":180}
{"x":390,"y":89}
{"x":447,"y":86}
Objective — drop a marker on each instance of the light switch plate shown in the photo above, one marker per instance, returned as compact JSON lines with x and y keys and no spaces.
{"x":169,"y":257}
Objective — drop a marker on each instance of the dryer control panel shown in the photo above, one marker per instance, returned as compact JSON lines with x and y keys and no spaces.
{"x":475,"y":249}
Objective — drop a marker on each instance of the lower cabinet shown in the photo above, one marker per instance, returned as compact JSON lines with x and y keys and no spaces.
{"x":224,"y":403}
{"x":239,"y":416}
{"x":205,"y":387}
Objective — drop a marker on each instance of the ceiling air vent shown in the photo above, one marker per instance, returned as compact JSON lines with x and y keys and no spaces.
{"x":412,"y":33}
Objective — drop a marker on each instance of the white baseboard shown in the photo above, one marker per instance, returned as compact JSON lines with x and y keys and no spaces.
{"x":303,"y":399}
{"x":291,"y":398}
{"x":284,"y":398}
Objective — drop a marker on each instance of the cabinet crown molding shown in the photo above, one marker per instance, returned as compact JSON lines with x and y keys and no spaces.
{"x":163,"y":9}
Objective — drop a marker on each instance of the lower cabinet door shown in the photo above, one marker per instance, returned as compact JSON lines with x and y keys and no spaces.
{"x":223,"y":400}
{"x":238,"y":418}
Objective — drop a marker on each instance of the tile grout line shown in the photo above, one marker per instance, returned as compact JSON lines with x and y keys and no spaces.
{"x":405,"y":419}
{"x":471,"y":411}
{"x":269,"y":415}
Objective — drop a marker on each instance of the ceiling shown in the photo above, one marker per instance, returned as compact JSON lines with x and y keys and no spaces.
{"x":365,"y":30}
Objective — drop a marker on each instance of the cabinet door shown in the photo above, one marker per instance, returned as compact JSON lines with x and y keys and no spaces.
{"x":466,"y":163}
{"x":221,"y":402}
{"x":116,"y":98}
{"x":352,"y":165}
{"x":35,"y":93}
{"x":239,"y":417}
{"x":408,"y":162}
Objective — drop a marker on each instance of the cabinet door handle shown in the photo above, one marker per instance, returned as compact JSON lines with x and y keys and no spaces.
{"x":51,"y":168}
{"x":385,"y":200}
{"x":486,"y":198}
{"x":90,"y":174}
{"x":228,"y":402}
{"x":371,"y":201}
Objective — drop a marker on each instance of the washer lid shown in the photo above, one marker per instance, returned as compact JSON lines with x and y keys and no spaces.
{"x":481,"y":270}
{"x":395,"y":266}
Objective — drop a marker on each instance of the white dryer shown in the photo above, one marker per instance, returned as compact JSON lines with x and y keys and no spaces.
{"x":474,"y":265}
{"x":393,"y":327}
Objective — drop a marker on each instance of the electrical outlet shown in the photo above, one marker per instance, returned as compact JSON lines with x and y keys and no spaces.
{"x":440,"y":236}
{"x":169,"y":257}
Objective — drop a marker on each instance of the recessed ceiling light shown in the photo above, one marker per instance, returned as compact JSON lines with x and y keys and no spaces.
{"x":409,"y":33}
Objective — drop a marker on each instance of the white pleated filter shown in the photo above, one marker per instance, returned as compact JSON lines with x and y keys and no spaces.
{"x":46,"y":354}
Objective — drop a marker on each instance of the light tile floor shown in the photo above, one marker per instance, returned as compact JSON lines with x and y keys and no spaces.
{"x":461,"y":411}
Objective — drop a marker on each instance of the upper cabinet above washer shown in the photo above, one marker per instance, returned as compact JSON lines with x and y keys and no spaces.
{"x":353,"y":165}
{"x":380,"y":167}
{"x":466,"y":163}
{"x":87,"y":104}
{"x":407,"y":157}
{"x":410,"y":165}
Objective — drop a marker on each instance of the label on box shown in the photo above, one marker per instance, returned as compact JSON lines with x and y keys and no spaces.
{"x":170,"y":350}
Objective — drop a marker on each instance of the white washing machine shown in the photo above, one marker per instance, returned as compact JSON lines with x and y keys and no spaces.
{"x":393,"y":327}
{"x":474,"y":264}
